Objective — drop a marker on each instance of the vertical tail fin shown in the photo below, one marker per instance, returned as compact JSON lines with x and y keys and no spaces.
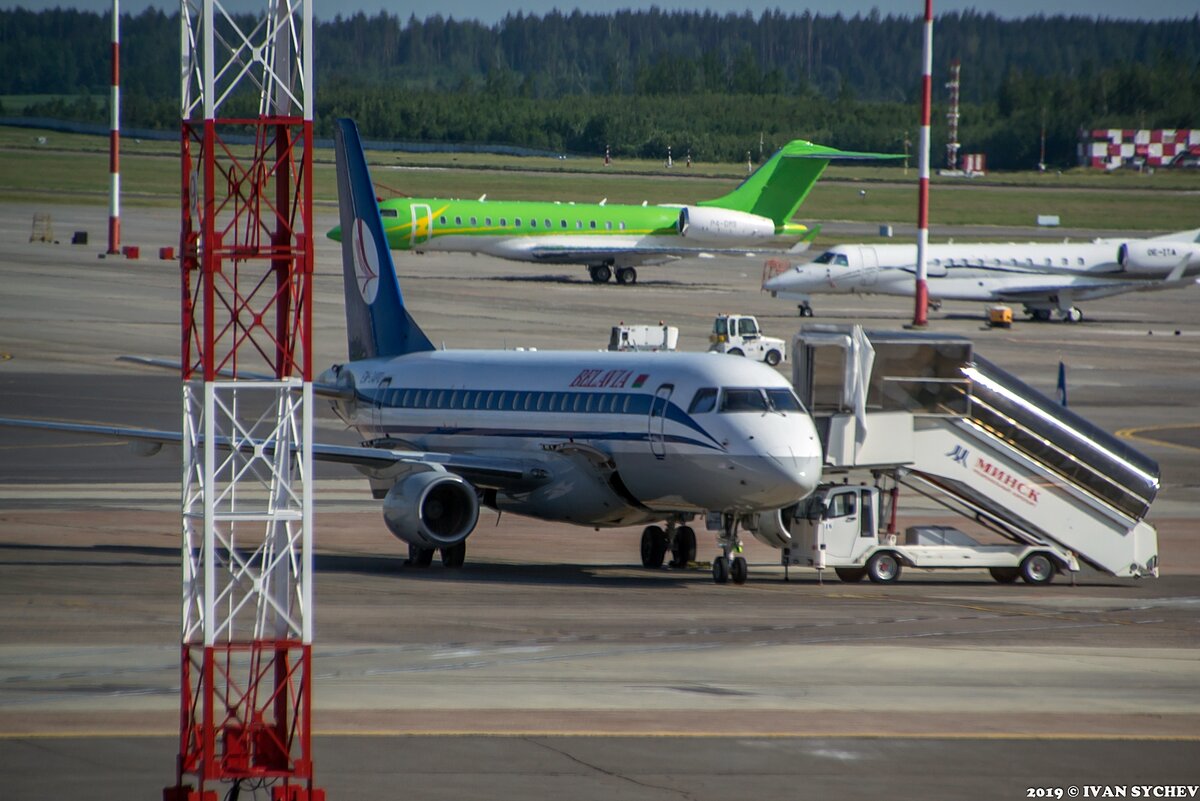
{"x":377,"y":324}
{"x":777,"y":188}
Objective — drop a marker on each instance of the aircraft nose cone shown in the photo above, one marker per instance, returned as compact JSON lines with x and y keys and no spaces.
{"x":797,"y":474}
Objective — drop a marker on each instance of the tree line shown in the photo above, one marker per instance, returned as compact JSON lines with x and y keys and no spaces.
{"x":639,"y":81}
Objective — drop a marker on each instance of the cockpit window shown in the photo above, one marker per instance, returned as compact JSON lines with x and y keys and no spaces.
{"x":705,"y":400}
{"x":743,"y":400}
{"x":783,"y":400}
{"x":829,"y":257}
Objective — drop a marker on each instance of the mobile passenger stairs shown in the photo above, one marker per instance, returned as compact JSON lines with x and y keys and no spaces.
{"x":924,"y":412}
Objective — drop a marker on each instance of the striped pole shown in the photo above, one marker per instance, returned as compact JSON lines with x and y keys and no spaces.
{"x":114,"y":136}
{"x":922,"y":289}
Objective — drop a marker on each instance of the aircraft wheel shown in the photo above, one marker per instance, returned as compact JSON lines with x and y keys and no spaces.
{"x":721,"y":569}
{"x":735,"y":352}
{"x":738,"y":570}
{"x":455,"y":555}
{"x":1005,"y":575}
{"x":654,"y":547}
{"x":626,"y":275}
{"x":420,"y":557}
{"x":850,"y":574}
{"x":1073,"y":315}
{"x":684,"y":550}
{"x":805,"y":310}
{"x":934,"y":305}
{"x":600,"y":273}
{"x":1037,"y":569}
{"x":883,"y":568}
{"x":773,"y":358}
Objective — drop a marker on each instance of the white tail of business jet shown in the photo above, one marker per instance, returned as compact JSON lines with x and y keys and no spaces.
{"x":596,"y":439}
{"x":1047,"y":279}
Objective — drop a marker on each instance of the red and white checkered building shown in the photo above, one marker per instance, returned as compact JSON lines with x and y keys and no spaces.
{"x":1109,"y":148}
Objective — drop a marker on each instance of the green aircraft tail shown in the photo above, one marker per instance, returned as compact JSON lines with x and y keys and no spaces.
{"x":776,"y":189}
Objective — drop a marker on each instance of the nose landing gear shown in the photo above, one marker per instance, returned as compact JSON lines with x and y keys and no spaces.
{"x":724,"y":567}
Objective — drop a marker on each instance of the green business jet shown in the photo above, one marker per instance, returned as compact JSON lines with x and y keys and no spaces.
{"x":613,"y":239}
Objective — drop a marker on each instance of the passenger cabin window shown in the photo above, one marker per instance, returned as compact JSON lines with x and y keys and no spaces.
{"x":548,"y":223}
{"x":621,"y":225}
{"x":458,"y":220}
{"x":474,"y":221}
{"x":608,"y":225}
{"x":503,"y":222}
{"x":705,"y":400}
{"x":532,"y":223}
{"x":443,"y":219}
{"x":743,"y":400}
{"x":592,"y":224}
{"x":562,"y":223}
{"x":517,"y":223}
{"x":487,"y":221}
{"x":843,"y":504}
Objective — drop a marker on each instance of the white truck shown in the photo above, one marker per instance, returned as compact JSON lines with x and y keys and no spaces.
{"x":740,"y":335}
{"x":838,"y":526}
{"x":643,"y":337}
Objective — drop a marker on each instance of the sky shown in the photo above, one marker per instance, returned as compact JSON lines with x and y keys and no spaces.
{"x":491,"y":12}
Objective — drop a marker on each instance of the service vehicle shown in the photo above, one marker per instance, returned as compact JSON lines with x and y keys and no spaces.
{"x":740,"y":335}
{"x":643,"y":337}
{"x":839,"y":526}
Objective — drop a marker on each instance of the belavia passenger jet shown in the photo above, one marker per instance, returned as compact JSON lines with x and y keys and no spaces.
{"x":613,"y":239}
{"x":593,"y":438}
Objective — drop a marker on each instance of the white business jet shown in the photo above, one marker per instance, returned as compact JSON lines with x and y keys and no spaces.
{"x":597,"y":439}
{"x":1047,"y":279}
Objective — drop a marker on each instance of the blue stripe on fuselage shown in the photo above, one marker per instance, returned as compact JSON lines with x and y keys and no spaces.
{"x":639,"y":406}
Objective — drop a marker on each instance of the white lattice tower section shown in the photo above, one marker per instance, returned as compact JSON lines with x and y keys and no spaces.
{"x":952,"y":144}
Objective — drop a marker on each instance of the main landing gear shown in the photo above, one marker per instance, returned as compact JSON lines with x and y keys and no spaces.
{"x":805,"y":309}
{"x":679,"y":541}
{"x":724,"y":568}
{"x":601,"y":273}
{"x":453,"y":556}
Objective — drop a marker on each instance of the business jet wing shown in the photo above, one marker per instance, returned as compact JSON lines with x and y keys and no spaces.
{"x":485,"y":471}
{"x":1086,"y":288}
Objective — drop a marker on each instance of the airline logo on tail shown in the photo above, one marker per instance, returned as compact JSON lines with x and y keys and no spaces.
{"x":366,"y":261}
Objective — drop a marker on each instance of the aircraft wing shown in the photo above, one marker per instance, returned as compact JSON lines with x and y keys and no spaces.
{"x":487,"y":471}
{"x":1088,"y":289}
{"x":627,"y":256}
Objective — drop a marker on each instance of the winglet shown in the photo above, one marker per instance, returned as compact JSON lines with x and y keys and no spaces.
{"x":377,"y":323}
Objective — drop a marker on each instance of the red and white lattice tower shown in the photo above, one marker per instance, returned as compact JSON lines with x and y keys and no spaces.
{"x":247,"y":268}
{"x":952,"y":144}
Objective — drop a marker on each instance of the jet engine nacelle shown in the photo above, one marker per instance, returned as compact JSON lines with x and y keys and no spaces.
{"x":773,"y":528}
{"x":1156,"y":258}
{"x":431,"y":509}
{"x":723,"y":225}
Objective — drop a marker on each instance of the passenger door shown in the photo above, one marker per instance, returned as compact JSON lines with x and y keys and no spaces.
{"x":870,"y":265}
{"x":377,"y":408}
{"x":657,"y":422}
{"x":422,"y":224}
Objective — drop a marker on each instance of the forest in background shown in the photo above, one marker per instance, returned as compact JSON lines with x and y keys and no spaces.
{"x":722,"y":87}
